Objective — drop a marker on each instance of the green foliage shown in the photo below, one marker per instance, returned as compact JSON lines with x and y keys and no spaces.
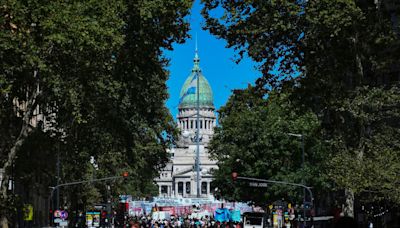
{"x":313,"y":38}
{"x":100,"y":72}
{"x":340,"y":60}
{"x":372,"y":140}
{"x":253,"y":140}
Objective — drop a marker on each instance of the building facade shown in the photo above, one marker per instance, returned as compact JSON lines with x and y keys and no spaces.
{"x":179,"y":177}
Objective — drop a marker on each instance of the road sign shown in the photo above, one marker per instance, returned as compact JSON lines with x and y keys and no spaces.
{"x":99,"y":207}
{"x":63,"y":223}
{"x":258,"y":184}
{"x":57,"y":214}
{"x":63,"y":215}
{"x":57,"y":220}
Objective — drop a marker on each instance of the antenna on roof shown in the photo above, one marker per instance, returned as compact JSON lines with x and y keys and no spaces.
{"x":196,"y":42}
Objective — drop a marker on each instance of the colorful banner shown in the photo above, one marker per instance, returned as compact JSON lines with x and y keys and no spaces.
{"x":180,"y":206}
{"x":93,"y":219}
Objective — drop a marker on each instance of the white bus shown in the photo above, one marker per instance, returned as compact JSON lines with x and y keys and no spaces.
{"x":254,"y":220}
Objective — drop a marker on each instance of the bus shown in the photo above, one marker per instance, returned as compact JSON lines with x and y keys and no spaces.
{"x":255,"y":220}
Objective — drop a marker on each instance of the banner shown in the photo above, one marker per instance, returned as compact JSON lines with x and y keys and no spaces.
{"x":28,"y":212}
{"x":93,"y":219}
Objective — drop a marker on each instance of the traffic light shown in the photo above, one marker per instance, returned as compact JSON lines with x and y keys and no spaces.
{"x":104,"y":214}
{"x":125,"y":175}
{"x":234,"y":176}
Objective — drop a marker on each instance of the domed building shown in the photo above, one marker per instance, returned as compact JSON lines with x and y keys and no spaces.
{"x":179,"y":177}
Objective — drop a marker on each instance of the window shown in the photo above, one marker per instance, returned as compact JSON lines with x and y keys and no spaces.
{"x":180,"y":187}
{"x":213,"y":186}
{"x":203,"y":187}
{"x":187,"y":187}
{"x":201,"y":123}
{"x":191,"y":124}
{"x":164,"y":189}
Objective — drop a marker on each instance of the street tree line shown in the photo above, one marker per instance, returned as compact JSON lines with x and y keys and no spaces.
{"x":81,"y":81}
{"x":330,"y":71}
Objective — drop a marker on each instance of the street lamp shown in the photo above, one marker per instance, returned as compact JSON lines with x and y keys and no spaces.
{"x":235,"y":177}
{"x":302,"y":166}
{"x":124,"y":175}
{"x":302,"y":146}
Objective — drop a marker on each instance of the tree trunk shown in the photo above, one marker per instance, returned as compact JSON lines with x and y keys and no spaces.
{"x":11,"y":156}
{"x":25,"y":129}
{"x":348,"y":209}
{"x":4,"y":222}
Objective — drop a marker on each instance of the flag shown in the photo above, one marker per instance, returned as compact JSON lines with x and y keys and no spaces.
{"x":191,"y":88}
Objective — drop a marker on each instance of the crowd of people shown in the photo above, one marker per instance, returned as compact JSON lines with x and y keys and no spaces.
{"x":180,"y":222}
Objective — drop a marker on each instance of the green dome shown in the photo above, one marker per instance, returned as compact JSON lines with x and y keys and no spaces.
{"x":188,"y":95}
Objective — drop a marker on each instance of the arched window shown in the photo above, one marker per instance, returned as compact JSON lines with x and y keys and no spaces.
{"x":164,"y":189}
{"x":187,"y":187}
{"x":203,"y":187}
{"x":180,"y":187}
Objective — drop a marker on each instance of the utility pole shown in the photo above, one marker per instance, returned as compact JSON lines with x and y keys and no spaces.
{"x":58,"y":177}
{"x":198,"y":136}
{"x":302,"y":177}
{"x":57,"y":187}
{"x":197,"y":126}
{"x":302,"y":180}
{"x":235,"y":176}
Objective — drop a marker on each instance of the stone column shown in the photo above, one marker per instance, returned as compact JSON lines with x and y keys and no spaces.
{"x":176,"y":189}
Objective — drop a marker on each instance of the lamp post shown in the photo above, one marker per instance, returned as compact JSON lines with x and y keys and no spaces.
{"x":302,"y":166}
{"x":235,"y":176}
{"x":124,"y":175}
{"x":198,"y":137}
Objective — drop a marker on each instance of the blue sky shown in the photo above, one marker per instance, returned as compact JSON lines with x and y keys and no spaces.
{"x":216,"y":61}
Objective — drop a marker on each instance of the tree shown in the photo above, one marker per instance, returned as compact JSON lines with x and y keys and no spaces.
{"x":252,"y":140}
{"x":94,"y":70}
{"x":328,"y":51}
{"x":47,"y":48}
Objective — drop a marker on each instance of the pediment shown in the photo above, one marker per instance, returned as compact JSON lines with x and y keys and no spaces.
{"x":190,"y":172}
